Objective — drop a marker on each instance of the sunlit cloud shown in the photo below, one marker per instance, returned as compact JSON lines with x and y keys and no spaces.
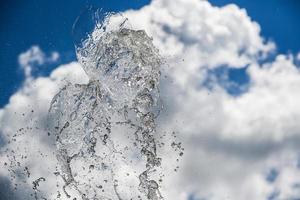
{"x":236,"y":147}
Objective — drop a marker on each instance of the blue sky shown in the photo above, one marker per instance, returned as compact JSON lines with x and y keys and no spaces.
{"x":249,"y":134}
{"x":44,"y":23}
{"x":49,"y":24}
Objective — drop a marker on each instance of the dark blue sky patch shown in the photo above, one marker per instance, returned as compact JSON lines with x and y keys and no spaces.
{"x":234,"y":80}
{"x":238,"y":75}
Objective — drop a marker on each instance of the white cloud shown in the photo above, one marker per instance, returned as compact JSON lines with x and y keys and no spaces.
{"x":229,"y":139}
{"x":35,"y":56}
{"x":223,"y":35}
{"x":274,"y":89}
{"x":26,"y":117}
{"x":231,"y":142}
{"x":202,"y":35}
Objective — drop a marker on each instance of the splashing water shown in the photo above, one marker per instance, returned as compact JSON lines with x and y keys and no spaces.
{"x":106,"y":130}
{"x":104,"y":134}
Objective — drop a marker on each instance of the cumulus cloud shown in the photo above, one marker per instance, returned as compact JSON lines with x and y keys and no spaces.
{"x":227,"y":34}
{"x":29,"y":146}
{"x":35,"y":57}
{"x":233,"y":144}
